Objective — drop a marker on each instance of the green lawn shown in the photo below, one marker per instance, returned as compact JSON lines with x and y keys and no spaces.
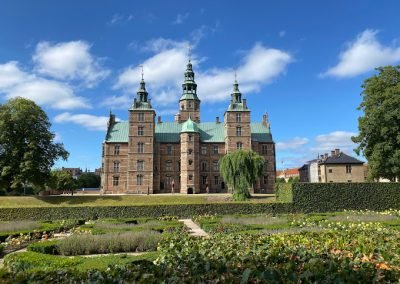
{"x":120,"y":200}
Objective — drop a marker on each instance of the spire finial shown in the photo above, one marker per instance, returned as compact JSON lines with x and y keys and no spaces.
{"x":189,"y":51}
{"x":235,"y":76}
{"x":141,"y":66}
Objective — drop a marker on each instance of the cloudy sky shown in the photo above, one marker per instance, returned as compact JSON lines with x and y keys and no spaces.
{"x":302,"y":62}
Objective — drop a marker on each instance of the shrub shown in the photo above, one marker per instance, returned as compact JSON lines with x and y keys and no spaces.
{"x":46,"y":247}
{"x":331,"y":197}
{"x":283,"y":192}
{"x":16,"y":226}
{"x":181,"y":210}
{"x":109,"y":243}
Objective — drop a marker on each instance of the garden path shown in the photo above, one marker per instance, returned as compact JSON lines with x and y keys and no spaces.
{"x":194,"y":229}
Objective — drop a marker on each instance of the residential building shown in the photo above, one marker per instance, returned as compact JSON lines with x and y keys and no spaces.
{"x":287,"y":173}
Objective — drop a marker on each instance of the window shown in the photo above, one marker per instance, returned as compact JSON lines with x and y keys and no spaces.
{"x":330,"y":171}
{"x":169,"y":150}
{"x":168,"y":181}
{"x":102,"y":151}
{"x":264,"y":149}
{"x":190,"y":177}
{"x":190,"y":162}
{"x":203,"y":179}
{"x":215,"y":166}
{"x":348,"y":169}
{"x":265,"y":179}
{"x":182,"y":107}
{"x":140,"y":147}
{"x":140,"y":131}
{"x":140,"y":165}
{"x":238,"y":131}
{"x":168,"y":165}
{"x":116,"y":149}
{"x":204,"y":150}
{"x":116,"y":167}
{"x":203,"y":166}
{"x":238,"y":117}
{"x":179,"y":166}
{"x":190,"y":138}
{"x":349,"y":180}
{"x":265,"y":166}
{"x":239,"y":145}
{"x":190,"y":104}
{"x":216,"y":180}
{"x":140,"y":117}
{"x":139,"y":180}
{"x":190,"y":151}
{"x":115,"y":181}
{"x":215,"y":149}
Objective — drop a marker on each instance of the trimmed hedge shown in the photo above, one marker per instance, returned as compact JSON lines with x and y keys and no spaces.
{"x":184,"y":210}
{"x":283,"y":192}
{"x":330,"y":197}
{"x":46,"y":247}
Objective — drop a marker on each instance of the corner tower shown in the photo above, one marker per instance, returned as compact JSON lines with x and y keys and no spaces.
{"x":237,"y":123}
{"x":141,"y":143}
{"x":189,"y":103}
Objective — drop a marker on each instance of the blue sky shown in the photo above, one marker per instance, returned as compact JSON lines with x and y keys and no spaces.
{"x":303,"y":62}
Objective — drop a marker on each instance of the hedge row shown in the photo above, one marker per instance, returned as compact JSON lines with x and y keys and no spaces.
{"x":330,"y":197}
{"x":183,"y":210}
{"x":283,"y":192}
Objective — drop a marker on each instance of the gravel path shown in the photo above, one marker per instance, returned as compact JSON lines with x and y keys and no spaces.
{"x":195,"y":230}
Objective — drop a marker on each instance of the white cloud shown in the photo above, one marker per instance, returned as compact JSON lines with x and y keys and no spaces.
{"x":362,"y":55}
{"x":325,"y":143}
{"x":88,"y":121}
{"x":180,"y":18}
{"x":164,"y":72}
{"x":15,"y":82}
{"x":120,"y":19}
{"x":69,"y":61}
{"x":295,"y":143}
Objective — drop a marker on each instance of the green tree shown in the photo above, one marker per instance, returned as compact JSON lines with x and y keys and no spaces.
{"x":379,"y":128}
{"x":62,"y":180}
{"x":280,"y":180}
{"x":27,"y":147}
{"x":240,"y":170}
{"x":88,"y":180}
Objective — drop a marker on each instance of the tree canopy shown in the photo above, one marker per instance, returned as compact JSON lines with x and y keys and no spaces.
{"x":62,"y":180}
{"x":88,"y":180}
{"x":379,"y":127}
{"x":240,"y":170}
{"x":27,"y":147}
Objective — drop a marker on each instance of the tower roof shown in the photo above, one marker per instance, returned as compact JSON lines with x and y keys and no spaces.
{"x":189,"y":126}
{"x":141,"y":101}
{"x":189,"y":86}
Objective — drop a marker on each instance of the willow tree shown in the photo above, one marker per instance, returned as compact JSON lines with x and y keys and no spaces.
{"x":240,"y":170}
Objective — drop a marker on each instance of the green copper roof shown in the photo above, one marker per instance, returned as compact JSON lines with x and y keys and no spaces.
{"x":237,"y":107}
{"x":189,"y":126}
{"x":189,"y":96}
{"x":141,"y":106}
{"x":169,"y":132}
{"x":118,"y":133}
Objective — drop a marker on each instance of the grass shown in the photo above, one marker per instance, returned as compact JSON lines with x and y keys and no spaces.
{"x":120,"y":200}
{"x":256,"y":220}
{"x":33,"y":261}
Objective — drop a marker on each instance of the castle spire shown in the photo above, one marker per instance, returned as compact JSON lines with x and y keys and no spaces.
{"x":236,"y":96}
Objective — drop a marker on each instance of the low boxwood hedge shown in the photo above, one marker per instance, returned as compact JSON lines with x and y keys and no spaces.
{"x":330,"y":197}
{"x":46,"y":247}
{"x":183,"y":210}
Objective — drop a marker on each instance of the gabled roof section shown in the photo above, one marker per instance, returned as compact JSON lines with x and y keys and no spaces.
{"x":169,"y":132}
{"x":342,"y":158}
{"x":118,"y":132}
{"x":189,"y":126}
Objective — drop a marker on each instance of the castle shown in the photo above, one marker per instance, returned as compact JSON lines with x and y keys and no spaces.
{"x":142,"y":156}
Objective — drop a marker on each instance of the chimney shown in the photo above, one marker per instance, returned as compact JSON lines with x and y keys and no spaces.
{"x":244,"y":104}
{"x":265,"y":121}
{"x":322,"y":157}
{"x":337,"y":152}
{"x":217,"y":120}
{"x":332,"y":153}
{"x":326,"y":156}
{"x":159,"y":119}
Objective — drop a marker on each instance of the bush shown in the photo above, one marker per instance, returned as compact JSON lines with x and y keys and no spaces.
{"x":109,"y":243}
{"x":46,"y":247}
{"x":283,"y":192}
{"x":182,"y":210}
{"x":331,"y":197}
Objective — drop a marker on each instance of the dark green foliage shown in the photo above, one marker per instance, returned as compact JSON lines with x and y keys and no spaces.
{"x":62,"y":180}
{"x":240,"y":170}
{"x":88,"y":180}
{"x":331,"y":197}
{"x":27,"y":148}
{"x":184,"y":210}
{"x":283,"y":192}
{"x":379,"y":128}
{"x":46,"y":247}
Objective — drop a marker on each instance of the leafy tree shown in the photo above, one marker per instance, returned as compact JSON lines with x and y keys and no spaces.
{"x":379,"y":128}
{"x":62,"y":180}
{"x":240,"y":170}
{"x":88,"y":180}
{"x":293,"y":179}
{"x":27,"y":147}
